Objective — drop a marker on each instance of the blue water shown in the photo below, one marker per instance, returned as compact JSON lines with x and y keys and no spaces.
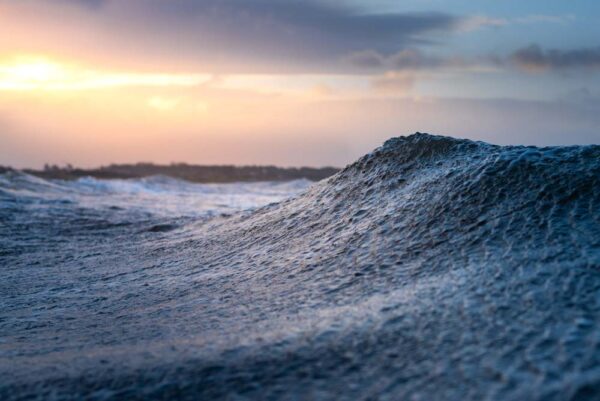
{"x":430,"y":269}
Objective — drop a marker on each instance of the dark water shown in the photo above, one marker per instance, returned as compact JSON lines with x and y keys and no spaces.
{"x":430,"y":269}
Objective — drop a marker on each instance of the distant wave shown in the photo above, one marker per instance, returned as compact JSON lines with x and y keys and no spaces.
{"x":155,"y":195}
{"x":432,"y":268}
{"x":19,"y":181}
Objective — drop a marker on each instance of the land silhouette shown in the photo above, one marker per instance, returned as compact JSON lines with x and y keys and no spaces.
{"x":184,"y":171}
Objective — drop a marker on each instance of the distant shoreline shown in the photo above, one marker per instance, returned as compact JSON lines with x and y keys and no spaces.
{"x":183,"y":171}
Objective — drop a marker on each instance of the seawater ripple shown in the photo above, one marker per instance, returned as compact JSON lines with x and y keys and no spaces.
{"x":430,"y":269}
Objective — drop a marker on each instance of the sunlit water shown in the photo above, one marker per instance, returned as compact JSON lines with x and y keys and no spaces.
{"x":430,"y":269}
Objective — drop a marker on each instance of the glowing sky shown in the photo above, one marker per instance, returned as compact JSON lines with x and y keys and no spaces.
{"x":287,"y":82}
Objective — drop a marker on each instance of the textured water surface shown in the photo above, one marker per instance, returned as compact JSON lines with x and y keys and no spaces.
{"x":430,"y":269}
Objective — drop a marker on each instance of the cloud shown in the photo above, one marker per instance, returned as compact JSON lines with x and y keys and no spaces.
{"x":367,"y":59}
{"x":532,"y":58}
{"x":302,"y":32}
{"x":217,"y":35}
{"x":407,"y":59}
{"x":412,"y":59}
{"x":476,"y":22}
{"x":479,"y":21}
{"x":535,"y":59}
{"x":542,"y":18}
{"x":396,"y":82}
{"x":84,"y":3}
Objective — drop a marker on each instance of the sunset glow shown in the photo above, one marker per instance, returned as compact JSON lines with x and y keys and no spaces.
{"x":96,"y":81}
{"x":27,"y":73}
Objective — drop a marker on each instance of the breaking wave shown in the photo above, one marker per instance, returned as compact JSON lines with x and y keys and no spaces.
{"x":432,"y":268}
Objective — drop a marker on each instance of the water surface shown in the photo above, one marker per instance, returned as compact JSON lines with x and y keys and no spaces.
{"x":430,"y":269}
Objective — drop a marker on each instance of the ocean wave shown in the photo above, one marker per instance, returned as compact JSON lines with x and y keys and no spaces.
{"x":432,"y":268}
{"x":153,"y":196}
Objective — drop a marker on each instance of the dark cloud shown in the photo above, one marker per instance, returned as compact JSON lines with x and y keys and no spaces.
{"x":295,"y":30}
{"x":276,"y":35}
{"x":85,"y":3}
{"x":534,"y":58}
{"x":367,"y":59}
{"x":411,"y":59}
{"x":289,"y":17}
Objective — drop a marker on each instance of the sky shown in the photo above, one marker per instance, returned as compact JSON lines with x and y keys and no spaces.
{"x":286,"y":82}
